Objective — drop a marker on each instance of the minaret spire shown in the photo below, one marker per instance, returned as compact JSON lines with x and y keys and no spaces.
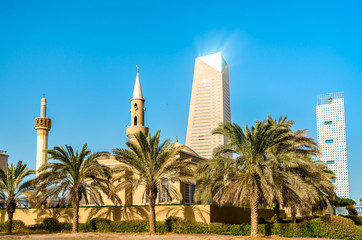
{"x":137,"y":92}
{"x":42,"y":127}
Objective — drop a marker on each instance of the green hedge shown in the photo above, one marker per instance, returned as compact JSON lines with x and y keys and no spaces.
{"x":18,"y":225}
{"x":324,"y":227}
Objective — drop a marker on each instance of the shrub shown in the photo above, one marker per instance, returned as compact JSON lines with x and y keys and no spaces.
{"x":356,"y":219}
{"x":161,"y":227}
{"x":169,"y":222}
{"x":240,"y":230}
{"x":52,"y":224}
{"x":218,"y":228}
{"x":17,"y":225}
{"x":130,"y":226}
{"x":99,"y":225}
{"x":335,"y":227}
{"x":352,"y":210}
{"x":183,"y":226}
{"x":2,"y":227}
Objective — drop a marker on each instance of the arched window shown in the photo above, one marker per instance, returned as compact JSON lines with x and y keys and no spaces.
{"x":135,"y":121}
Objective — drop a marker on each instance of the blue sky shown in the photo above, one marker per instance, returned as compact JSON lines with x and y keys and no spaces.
{"x":83,"y":56}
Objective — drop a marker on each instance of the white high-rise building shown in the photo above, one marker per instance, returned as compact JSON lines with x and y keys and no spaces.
{"x":210,"y":104}
{"x":331,"y":128}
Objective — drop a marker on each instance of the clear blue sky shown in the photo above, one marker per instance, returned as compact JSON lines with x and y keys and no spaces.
{"x":83,"y":56}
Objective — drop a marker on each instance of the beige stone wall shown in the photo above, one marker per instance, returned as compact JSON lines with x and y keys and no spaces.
{"x":198,"y":213}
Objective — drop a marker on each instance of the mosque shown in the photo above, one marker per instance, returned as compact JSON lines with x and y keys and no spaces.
{"x":187,"y":190}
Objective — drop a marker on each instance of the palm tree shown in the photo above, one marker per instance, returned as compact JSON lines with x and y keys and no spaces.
{"x":12,"y":188}
{"x":246,"y":179}
{"x":289,"y":187}
{"x":152,"y":164}
{"x":73,"y":177}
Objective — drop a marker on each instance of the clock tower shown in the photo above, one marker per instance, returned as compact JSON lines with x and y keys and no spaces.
{"x":137,"y":111}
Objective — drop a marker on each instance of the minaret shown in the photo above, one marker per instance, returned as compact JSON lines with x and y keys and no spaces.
{"x":42,"y":127}
{"x":137,"y":111}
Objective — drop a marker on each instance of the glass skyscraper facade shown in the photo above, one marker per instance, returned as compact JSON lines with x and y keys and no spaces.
{"x":210,"y":104}
{"x":331,"y":129}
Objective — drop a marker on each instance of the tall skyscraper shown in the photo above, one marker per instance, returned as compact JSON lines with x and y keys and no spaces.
{"x":210,"y":104}
{"x":331,"y":128}
{"x":42,"y":127}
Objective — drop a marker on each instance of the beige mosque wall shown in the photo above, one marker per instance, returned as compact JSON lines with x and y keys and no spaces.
{"x":198,"y":213}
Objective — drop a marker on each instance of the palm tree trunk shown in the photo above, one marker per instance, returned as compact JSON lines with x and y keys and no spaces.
{"x":10,"y":209}
{"x":75,"y":216}
{"x":152,"y":214}
{"x":293,"y":214}
{"x":10,"y":221}
{"x":276,"y":212}
{"x":254,"y":210}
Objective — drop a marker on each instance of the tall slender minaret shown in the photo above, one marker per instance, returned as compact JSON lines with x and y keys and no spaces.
{"x":42,"y":127}
{"x":137,"y":111}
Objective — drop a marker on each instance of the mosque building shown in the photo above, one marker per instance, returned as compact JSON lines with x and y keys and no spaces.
{"x":137,"y":112}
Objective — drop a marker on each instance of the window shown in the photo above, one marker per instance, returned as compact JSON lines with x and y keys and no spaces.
{"x":163,"y":194}
{"x":330,"y":162}
{"x":329,"y":141}
{"x":189,"y":193}
{"x":334,"y":180}
{"x":328,"y":123}
{"x":135,"y":121}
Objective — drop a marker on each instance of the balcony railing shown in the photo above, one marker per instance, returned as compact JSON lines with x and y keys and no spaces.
{"x":2,"y":152}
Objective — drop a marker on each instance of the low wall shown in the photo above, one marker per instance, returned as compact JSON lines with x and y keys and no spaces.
{"x":198,"y":213}
{"x":237,"y":215}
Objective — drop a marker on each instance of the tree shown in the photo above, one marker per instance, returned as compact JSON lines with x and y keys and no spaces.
{"x":13,"y":189}
{"x":346,"y":202}
{"x":247,"y":179}
{"x":72,"y":177}
{"x":289,"y":187}
{"x":152,"y":165}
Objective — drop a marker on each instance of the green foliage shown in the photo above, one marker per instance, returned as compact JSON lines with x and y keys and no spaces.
{"x":324,"y":227}
{"x":356,"y":219}
{"x":169,"y":223}
{"x":52,"y":225}
{"x":99,"y":225}
{"x":335,"y":227}
{"x":18,"y":225}
{"x":352,"y":210}
{"x":218,"y":228}
{"x":240,"y":230}
{"x":130,"y":226}
{"x":69,"y":226}
{"x":346,"y":202}
{"x":183,"y":226}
